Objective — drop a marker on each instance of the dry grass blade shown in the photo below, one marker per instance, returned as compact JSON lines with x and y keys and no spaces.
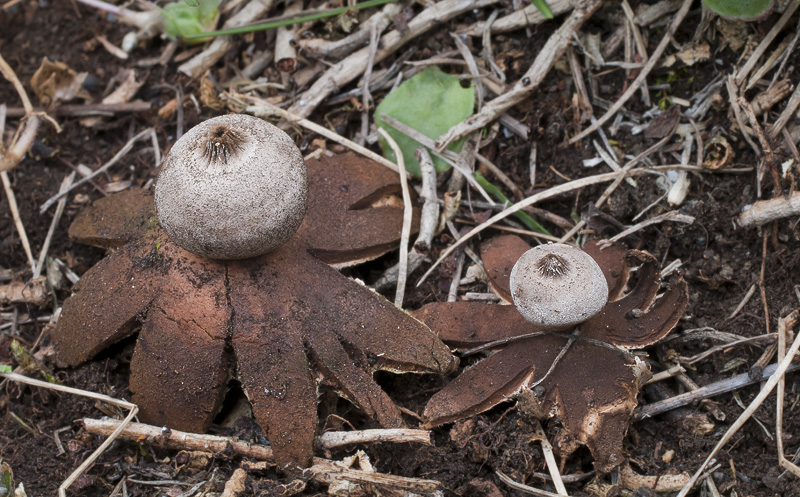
{"x":538,"y":197}
{"x":524,"y":488}
{"x":784,"y":325}
{"x":654,"y":58}
{"x":149,"y":132}
{"x":402,"y":273}
{"x":263,"y":109}
{"x":549,"y":457}
{"x":755,"y":404}
{"x":556,"y":45}
{"x":62,"y":490}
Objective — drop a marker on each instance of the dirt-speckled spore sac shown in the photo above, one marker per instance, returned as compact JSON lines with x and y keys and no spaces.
{"x":279,"y":320}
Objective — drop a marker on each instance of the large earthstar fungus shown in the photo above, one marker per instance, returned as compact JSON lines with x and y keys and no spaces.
{"x":279,"y":321}
{"x":583,"y":374}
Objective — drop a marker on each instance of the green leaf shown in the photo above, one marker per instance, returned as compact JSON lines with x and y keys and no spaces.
{"x":6,"y":479}
{"x":431,"y":102}
{"x":5,"y":368}
{"x":743,"y":10}
{"x":543,"y":8}
{"x":185,"y":20}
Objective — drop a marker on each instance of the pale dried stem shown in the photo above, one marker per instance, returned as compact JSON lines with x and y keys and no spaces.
{"x":787,"y":114}
{"x":263,"y":109}
{"x":784,"y":325}
{"x":428,"y":222}
{"x":366,"y":96}
{"x":626,"y":170}
{"x":661,"y":484}
{"x":640,"y":79}
{"x":408,"y":212}
{"x":12,"y":206}
{"x":11,"y":76}
{"x":765,"y":211}
{"x":538,"y":197}
{"x":318,"y":48}
{"x":666,"y":374}
{"x":174,"y":439}
{"x":285,"y":51}
{"x":203,"y":61}
{"x":550,"y":459}
{"x":556,"y":45}
{"x":62,"y":489}
{"x":519,"y":19}
{"x":448,"y":156}
{"x":524,"y":488}
{"x":235,"y":486}
{"x":429,"y":218}
{"x":754,"y":405}
{"x":149,"y":132}
{"x":710,"y":390}
{"x":675,"y":216}
{"x":355,"y":64}
{"x":743,"y":302}
{"x":641,"y":46}
{"x":762,"y":47}
{"x":56,"y":218}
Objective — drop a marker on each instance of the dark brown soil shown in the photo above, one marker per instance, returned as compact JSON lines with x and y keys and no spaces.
{"x":720,"y":261}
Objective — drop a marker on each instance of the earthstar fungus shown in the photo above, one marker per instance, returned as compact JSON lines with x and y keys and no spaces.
{"x":278,"y":321}
{"x":581,"y":375}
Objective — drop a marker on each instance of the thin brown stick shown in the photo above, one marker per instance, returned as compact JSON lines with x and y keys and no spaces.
{"x":640,"y":79}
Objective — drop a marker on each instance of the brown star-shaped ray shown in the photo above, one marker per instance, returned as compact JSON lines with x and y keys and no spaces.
{"x":277,"y":320}
{"x":583,"y":377}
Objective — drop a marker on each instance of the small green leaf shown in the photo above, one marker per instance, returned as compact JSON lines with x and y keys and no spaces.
{"x":5,"y":368}
{"x":6,"y":479}
{"x":189,"y":19}
{"x":743,"y":10}
{"x":431,"y":102}
{"x":543,"y":8}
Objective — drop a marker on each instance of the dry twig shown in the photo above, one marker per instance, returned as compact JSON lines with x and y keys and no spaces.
{"x":780,"y":371}
{"x":640,"y":79}
{"x":556,"y":45}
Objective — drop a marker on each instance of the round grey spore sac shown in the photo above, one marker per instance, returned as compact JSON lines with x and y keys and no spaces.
{"x":557,"y":286}
{"x":232,"y":187}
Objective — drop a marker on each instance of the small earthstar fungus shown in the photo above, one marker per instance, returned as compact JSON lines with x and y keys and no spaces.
{"x":576,"y":370}
{"x":279,"y":321}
